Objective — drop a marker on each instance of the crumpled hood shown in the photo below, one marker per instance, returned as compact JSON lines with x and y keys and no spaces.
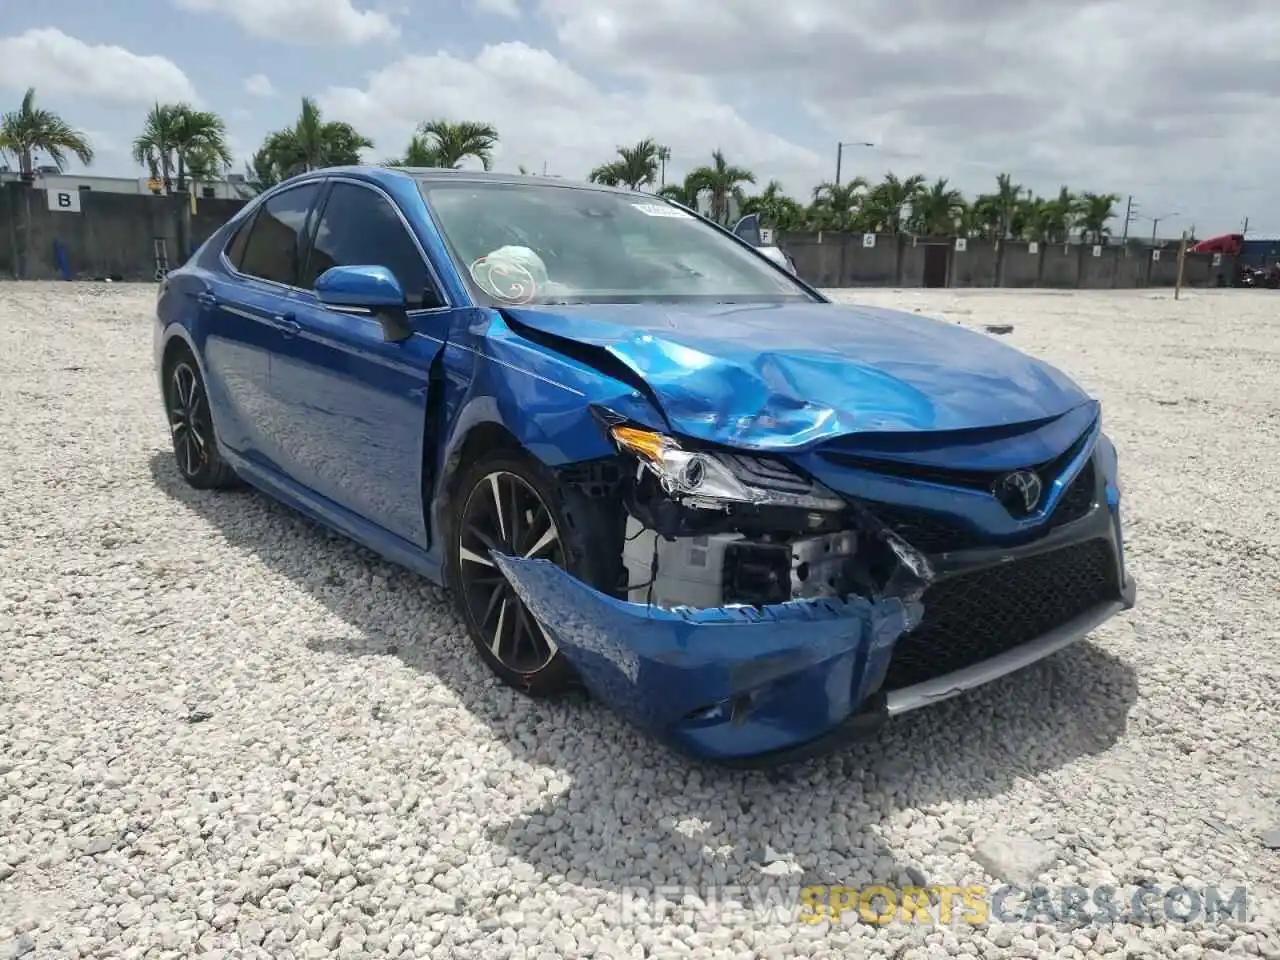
{"x":787,"y":376}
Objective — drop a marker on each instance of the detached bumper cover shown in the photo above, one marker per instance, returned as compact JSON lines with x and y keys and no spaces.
{"x":720,"y":682}
{"x":755,"y":686}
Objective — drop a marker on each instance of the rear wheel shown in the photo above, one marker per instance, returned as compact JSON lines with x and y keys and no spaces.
{"x":509,"y":503}
{"x":195,"y":447}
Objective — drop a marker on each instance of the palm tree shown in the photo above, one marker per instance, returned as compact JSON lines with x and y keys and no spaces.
{"x":776,"y":209}
{"x":175,"y":135}
{"x":453,"y":142}
{"x":607,"y":174}
{"x":204,"y":165}
{"x":1048,"y":221}
{"x":722,"y":181}
{"x":887,"y":204}
{"x":1005,"y":202}
{"x":29,"y":130}
{"x":836,"y":205}
{"x":419,"y":153}
{"x":1096,"y":210}
{"x":154,"y":147}
{"x":310,"y":144}
{"x":937,"y":211}
{"x":685,"y":193}
{"x":636,"y":167}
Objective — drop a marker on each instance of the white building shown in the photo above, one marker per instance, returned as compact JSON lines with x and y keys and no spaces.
{"x":47,"y":178}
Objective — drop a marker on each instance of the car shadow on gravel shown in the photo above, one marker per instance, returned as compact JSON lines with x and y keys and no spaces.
{"x":636,"y":813}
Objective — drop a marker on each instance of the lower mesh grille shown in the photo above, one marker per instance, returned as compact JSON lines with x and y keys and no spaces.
{"x":975,"y":616}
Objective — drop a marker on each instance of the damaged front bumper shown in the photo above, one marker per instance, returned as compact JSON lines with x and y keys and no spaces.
{"x":754,"y":686}
{"x":725,"y":682}
{"x":759,"y":683}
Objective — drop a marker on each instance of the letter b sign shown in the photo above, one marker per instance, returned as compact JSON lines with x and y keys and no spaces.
{"x":64,"y":201}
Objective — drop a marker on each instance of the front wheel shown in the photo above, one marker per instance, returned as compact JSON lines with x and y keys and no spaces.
{"x":509,"y":503}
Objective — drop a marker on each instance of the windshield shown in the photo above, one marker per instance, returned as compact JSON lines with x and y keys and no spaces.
{"x":525,"y":243}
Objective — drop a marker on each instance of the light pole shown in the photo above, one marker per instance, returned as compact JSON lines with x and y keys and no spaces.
{"x":840,"y":154}
{"x":1155,"y":224}
{"x":664,"y":154}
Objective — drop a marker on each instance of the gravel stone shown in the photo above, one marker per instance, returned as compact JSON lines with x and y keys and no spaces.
{"x":225,"y":732}
{"x":1017,"y":860}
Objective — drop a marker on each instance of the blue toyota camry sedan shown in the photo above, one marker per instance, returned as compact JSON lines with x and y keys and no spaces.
{"x":645,"y":458}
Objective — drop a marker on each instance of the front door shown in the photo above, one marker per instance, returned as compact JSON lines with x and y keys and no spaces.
{"x":354,"y":403}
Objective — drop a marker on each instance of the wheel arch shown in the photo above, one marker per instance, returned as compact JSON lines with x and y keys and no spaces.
{"x":176,"y":343}
{"x":482,"y":427}
{"x":175,"y":340}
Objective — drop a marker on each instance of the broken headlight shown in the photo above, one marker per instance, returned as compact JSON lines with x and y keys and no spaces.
{"x":718,"y":479}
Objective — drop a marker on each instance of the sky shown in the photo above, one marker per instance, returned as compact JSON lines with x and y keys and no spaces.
{"x":1173,"y":102}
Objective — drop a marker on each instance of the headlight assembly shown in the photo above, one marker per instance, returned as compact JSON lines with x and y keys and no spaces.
{"x":720,"y":479}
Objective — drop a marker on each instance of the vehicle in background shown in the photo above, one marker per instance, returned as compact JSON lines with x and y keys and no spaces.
{"x":749,"y":229}
{"x":1228,"y":244}
{"x":1254,"y":275}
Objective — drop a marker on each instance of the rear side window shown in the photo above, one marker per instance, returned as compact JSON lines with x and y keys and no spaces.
{"x":235,"y":249}
{"x":273,"y":241}
{"x":359,"y":227}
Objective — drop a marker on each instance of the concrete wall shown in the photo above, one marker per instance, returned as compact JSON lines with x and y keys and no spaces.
{"x":113,"y":235}
{"x":844,"y":260}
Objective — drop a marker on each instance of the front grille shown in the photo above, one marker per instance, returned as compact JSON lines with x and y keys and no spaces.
{"x":925,"y":530}
{"x":932,"y":532}
{"x":975,"y":616}
{"x":1078,"y":498}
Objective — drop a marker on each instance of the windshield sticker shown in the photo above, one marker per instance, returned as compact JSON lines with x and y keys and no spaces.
{"x":662,"y":210}
{"x":504,"y":279}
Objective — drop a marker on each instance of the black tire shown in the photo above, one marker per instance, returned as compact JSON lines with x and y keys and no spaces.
{"x":195,"y":445}
{"x":581,"y":547}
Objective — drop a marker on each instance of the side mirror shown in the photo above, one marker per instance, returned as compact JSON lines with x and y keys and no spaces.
{"x":372,"y":289}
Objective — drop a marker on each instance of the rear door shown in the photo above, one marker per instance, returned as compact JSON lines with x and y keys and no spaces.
{"x":249,"y":312}
{"x":352,"y":405}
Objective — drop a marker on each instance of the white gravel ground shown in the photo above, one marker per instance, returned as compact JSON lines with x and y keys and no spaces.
{"x":225,"y":732}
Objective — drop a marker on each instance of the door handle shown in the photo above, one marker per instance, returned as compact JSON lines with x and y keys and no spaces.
{"x":288,"y":325}
{"x":207,"y":298}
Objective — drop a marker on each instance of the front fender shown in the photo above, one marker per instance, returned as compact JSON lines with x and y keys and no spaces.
{"x":494,"y":378}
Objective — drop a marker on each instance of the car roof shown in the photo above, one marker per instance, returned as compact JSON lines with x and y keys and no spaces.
{"x":385,"y":175}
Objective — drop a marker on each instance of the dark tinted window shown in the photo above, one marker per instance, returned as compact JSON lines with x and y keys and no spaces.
{"x":272,"y":248}
{"x":360,"y":228}
{"x":239,"y":240}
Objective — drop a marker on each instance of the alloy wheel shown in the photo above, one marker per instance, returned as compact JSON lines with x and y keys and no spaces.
{"x":188,"y":419}
{"x":504,"y":513}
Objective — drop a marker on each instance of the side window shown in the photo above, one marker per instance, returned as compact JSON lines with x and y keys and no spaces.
{"x":360,"y":228}
{"x":239,"y":240}
{"x":272,"y":245}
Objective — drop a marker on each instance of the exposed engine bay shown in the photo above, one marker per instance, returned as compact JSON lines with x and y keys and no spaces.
{"x":709,"y":528}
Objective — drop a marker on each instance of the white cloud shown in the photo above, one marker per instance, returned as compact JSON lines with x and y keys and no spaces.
{"x":546,"y":112}
{"x":58,"y":65}
{"x":1141,"y":96}
{"x":314,"y":22}
{"x":503,"y":8}
{"x":259,"y":85}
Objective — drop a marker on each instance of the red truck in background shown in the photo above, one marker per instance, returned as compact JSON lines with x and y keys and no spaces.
{"x":1228,"y":244}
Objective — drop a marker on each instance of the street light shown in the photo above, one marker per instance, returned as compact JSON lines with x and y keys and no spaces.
{"x":1155,"y":224}
{"x":664,"y":154}
{"x":840,"y":154}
